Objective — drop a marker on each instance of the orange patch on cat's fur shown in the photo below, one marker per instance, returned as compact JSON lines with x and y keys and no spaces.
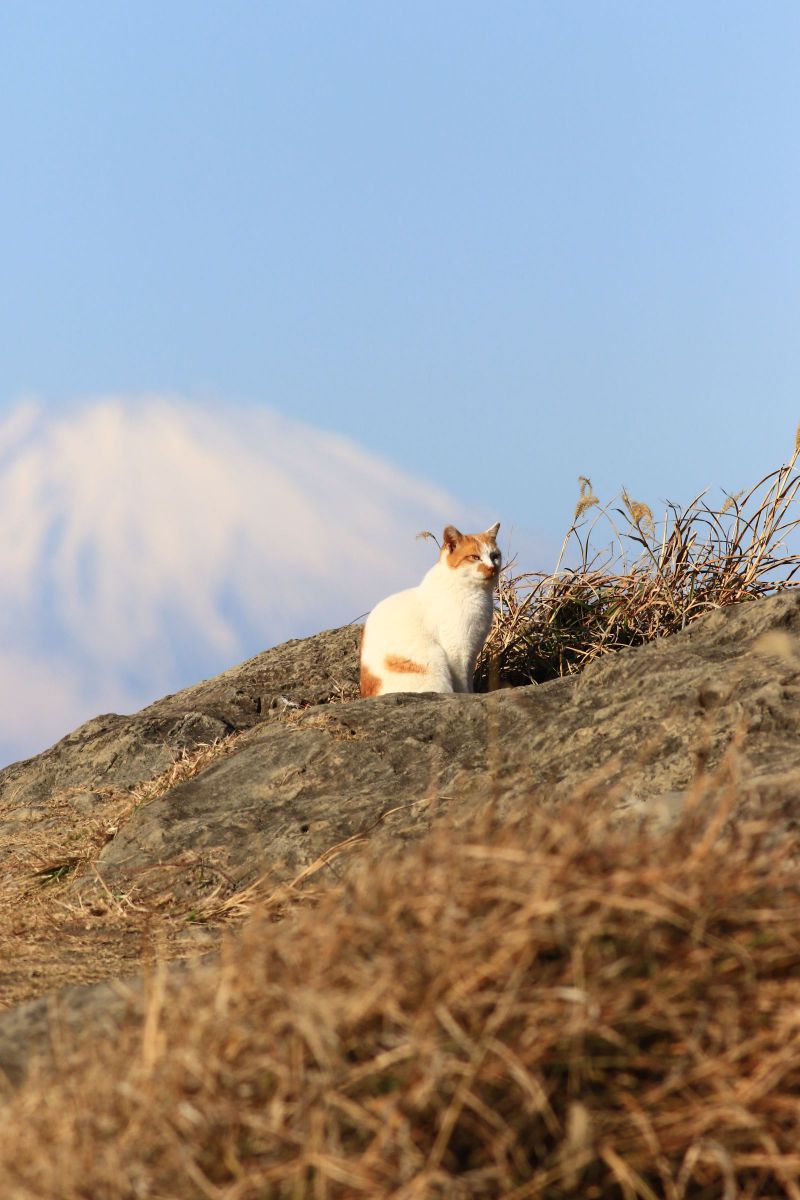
{"x":370,"y":684}
{"x":403,"y":666}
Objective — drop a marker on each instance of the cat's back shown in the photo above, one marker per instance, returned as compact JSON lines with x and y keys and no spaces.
{"x":394,"y":622}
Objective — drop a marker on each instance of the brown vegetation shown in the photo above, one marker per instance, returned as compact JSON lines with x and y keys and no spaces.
{"x":51,"y":935}
{"x":699,"y":557}
{"x":539,"y":1006}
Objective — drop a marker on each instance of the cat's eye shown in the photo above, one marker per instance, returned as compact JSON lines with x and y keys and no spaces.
{"x":473,"y":558}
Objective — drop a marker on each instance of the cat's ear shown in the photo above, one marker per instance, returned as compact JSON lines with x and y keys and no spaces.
{"x":451,"y":537}
{"x":492,"y":533}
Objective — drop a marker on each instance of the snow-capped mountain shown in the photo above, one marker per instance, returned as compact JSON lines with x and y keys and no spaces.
{"x":146,"y":542}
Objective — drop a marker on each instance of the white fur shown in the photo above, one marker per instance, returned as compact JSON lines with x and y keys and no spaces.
{"x":441,"y":624}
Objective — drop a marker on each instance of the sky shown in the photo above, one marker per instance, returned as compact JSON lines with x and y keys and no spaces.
{"x":366,"y":268}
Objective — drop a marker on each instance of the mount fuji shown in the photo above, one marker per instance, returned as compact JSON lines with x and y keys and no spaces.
{"x":147,"y":542}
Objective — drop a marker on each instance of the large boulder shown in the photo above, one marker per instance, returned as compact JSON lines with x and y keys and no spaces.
{"x":635,"y":727}
{"x":114,"y":751}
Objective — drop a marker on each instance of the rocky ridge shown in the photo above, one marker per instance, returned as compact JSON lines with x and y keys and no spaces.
{"x":305,"y":787}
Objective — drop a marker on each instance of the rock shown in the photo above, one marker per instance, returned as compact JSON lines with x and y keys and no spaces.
{"x":633,"y":727}
{"x":36,"y":1031}
{"x":119,"y":751}
{"x":85,"y":802}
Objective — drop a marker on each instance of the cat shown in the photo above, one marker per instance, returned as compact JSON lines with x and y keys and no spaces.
{"x":427,"y":638}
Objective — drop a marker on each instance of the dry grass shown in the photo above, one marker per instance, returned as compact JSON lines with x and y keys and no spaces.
{"x":66,"y":840}
{"x":650,"y":579}
{"x":52,"y":934}
{"x":538,"y":1007}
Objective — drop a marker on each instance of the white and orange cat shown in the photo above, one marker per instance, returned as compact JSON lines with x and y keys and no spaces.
{"x":427,"y":638}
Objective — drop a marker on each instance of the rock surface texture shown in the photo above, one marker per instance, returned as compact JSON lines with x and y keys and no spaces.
{"x":122,"y":750}
{"x":631,"y":733}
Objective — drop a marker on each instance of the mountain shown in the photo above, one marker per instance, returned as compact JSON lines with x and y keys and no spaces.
{"x":147,"y":542}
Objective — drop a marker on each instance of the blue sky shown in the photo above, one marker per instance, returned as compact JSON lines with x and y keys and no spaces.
{"x":494,"y":245}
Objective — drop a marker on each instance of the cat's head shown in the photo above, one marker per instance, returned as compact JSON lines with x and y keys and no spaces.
{"x":474,"y":555}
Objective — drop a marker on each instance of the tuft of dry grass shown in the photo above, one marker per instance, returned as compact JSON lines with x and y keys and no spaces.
{"x":650,"y":578}
{"x":543,"y":1006}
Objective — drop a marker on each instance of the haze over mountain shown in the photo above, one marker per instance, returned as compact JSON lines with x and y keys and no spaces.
{"x":148,"y":542}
